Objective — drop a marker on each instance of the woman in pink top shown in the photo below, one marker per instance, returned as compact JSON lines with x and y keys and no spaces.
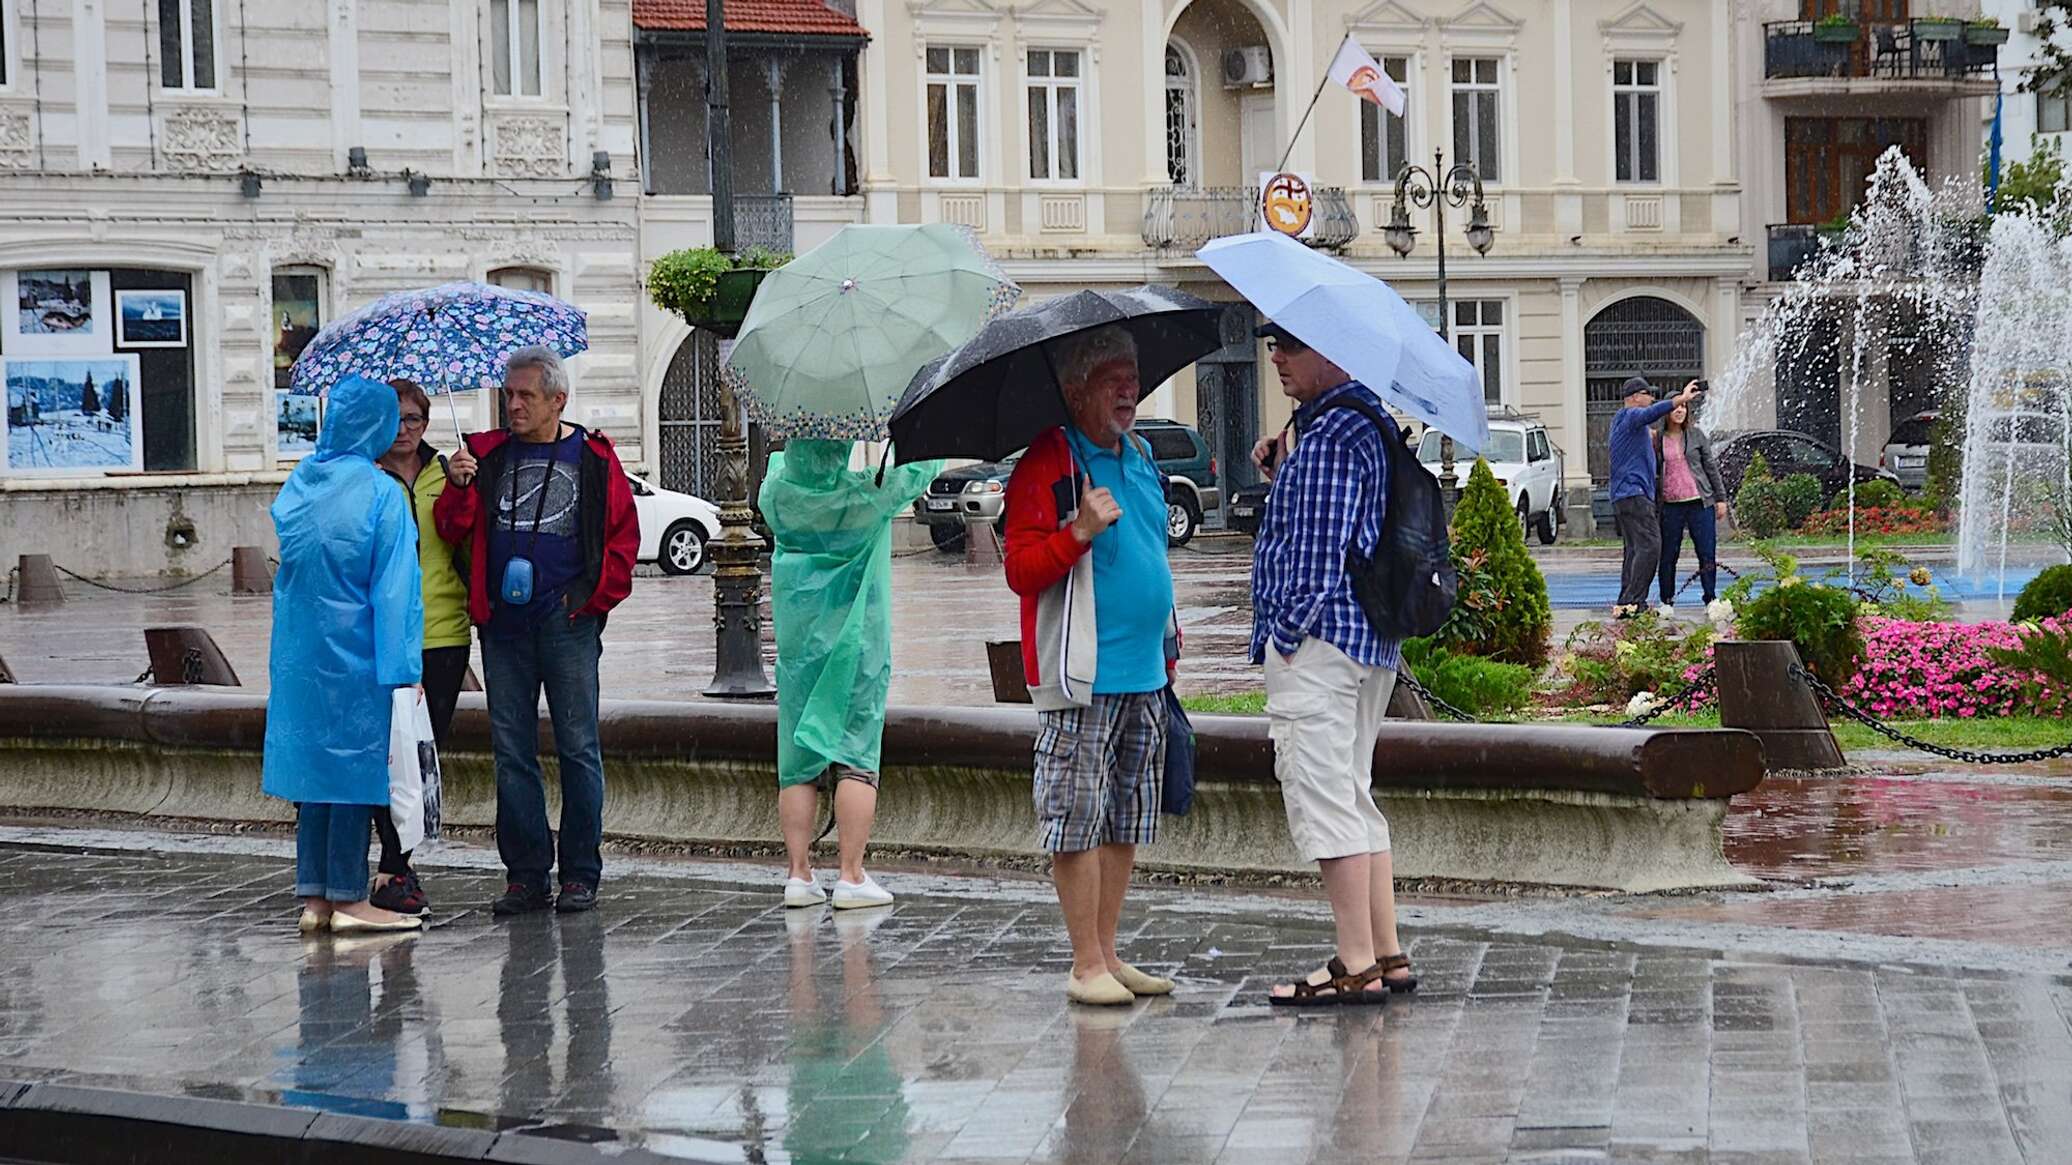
{"x":1693,"y":496}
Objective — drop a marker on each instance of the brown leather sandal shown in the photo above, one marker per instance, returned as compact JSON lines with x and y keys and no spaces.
{"x":1396,"y":962}
{"x":1346,"y":989}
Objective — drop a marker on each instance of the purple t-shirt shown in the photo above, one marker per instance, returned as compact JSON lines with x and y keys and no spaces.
{"x":535,"y":516}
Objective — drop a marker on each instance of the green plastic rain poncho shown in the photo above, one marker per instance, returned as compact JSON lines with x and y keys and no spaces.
{"x":831,"y":595}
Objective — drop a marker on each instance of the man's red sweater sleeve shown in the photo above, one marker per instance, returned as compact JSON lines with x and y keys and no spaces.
{"x":1039,"y":553}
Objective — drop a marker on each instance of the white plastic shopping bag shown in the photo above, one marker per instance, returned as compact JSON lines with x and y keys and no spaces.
{"x":413,"y":770}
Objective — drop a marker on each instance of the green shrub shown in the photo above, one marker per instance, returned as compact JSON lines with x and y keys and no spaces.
{"x":1800,"y":495}
{"x":1758,"y":509}
{"x":2048,"y":595}
{"x":1871,"y":495}
{"x":1502,"y":610}
{"x":1483,"y":688}
{"x":1609,"y":663}
{"x":683,"y":282}
{"x":1819,"y":620}
{"x":1883,"y":586}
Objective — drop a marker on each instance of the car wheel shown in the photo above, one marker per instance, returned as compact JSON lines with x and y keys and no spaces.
{"x":1182,"y":520}
{"x":683,"y":548}
{"x":947,"y":537}
{"x":1545,"y":528}
{"x":1524,"y":513}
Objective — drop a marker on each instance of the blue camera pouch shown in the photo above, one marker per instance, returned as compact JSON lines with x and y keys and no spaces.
{"x":516,"y":590}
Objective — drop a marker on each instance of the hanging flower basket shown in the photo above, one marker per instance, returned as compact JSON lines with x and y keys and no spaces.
{"x":1836,"y":31}
{"x":728,"y":307}
{"x":710,"y":289}
{"x":1985,"y":34}
{"x":1943,"y":30}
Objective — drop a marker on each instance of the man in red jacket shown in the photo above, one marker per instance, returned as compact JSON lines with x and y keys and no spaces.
{"x":547,"y":534}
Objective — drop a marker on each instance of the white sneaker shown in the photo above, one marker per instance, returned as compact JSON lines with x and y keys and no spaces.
{"x":803,"y":892}
{"x":854,"y":895}
{"x":1666,"y":611}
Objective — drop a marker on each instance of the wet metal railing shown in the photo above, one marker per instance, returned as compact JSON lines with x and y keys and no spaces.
{"x":1182,"y":219}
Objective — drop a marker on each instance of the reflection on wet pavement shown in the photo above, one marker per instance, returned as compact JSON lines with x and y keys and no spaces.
{"x":1820,"y":827}
{"x":691,"y":1011}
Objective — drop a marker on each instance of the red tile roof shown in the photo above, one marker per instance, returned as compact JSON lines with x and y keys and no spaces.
{"x":797,"y":17}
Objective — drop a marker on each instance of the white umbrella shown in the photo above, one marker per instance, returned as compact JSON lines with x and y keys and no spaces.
{"x":1360,"y":324}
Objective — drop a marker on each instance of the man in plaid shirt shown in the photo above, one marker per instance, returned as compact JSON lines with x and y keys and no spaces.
{"x":1328,"y":675}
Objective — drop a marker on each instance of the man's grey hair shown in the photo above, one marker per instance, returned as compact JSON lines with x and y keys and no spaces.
{"x":553,"y":373}
{"x":1077,"y":356}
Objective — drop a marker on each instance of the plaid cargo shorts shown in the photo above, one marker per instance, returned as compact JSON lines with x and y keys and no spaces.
{"x":1098,"y":772}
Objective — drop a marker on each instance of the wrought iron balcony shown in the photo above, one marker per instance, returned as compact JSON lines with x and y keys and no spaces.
{"x":1791,"y":244}
{"x":1182,"y":219}
{"x":1914,"y":50}
{"x":763,"y":221}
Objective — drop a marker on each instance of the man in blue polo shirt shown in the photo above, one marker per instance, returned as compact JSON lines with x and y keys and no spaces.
{"x":1633,"y":490}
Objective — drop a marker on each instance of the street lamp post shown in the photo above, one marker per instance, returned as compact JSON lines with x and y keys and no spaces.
{"x":737,"y":577}
{"x":1439,"y":188}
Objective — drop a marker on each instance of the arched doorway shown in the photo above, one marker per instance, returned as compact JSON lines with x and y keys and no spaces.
{"x":688,"y":419}
{"x":1643,"y":336}
{"x":1182,"y":116}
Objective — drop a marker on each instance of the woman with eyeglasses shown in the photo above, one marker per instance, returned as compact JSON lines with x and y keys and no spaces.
{"x":421,"y":469}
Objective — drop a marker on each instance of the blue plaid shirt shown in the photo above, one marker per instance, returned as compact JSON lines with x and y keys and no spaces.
{"x":1329,"y":497}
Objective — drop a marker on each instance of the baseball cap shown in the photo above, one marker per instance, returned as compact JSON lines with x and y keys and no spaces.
{"x":1280,"y":335}
{"x":1638,"y":384}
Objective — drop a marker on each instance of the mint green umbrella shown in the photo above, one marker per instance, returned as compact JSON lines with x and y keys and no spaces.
{"x":835,"y":335}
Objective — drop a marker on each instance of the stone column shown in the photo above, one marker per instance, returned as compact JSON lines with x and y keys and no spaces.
{"x":773,"y":77}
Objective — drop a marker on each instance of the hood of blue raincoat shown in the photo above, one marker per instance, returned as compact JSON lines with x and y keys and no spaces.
{"x":361,"y":418}
{"x":348,"y":609}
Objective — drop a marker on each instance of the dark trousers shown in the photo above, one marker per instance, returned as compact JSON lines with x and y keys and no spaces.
{"x":1641,"y":533}
{"x":1698,"y":518}
{"x":559,"y":655}
{"x":444,"y":669}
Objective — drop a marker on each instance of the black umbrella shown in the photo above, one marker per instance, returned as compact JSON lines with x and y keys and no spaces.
{"x":1000,"y":390}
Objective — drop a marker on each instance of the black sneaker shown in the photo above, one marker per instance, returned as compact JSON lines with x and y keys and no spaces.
{"x":576,"y":898}
{"x":402,"y":894}
{"x":519,"y":898}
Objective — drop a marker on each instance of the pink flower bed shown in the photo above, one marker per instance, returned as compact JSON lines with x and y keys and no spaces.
{"x":1916,"y":671}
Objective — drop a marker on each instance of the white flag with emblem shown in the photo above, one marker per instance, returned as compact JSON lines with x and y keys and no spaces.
{"x":1357,"y":71}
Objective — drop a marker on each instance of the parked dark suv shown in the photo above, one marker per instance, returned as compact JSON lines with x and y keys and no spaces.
{"x":1789,"y":453}
{"x":1192,"y":487}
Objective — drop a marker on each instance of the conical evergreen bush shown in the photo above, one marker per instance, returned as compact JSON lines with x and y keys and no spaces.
{"x":1498,"y":576}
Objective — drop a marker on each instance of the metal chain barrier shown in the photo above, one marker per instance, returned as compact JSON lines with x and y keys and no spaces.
{"x":185,"y":582}
{"x":1702,"y":686}
{"x":1408,"y":680}
{"x":1842,"y":704}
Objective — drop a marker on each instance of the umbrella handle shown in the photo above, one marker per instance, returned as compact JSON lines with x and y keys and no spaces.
{"x":453,"y":410}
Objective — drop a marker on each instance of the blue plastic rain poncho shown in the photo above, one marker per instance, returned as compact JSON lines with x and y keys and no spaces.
{"x":348,"y":618}
{"x":831,"y":595}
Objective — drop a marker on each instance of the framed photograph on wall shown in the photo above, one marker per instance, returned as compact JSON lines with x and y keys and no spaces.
{"x":151,"y":319}
{"x":296,"y":418}
{"x":55,"y":311}
{"x":68,"y":414}
{"x":298,"y":312}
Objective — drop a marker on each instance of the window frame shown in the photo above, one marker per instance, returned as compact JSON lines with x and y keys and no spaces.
{"x":1633,"y":91}
{"x":952,"y":80}
{"x":1190,"y":98}
{"x":513,"y":55}
{"x":2060,"y":99}
{"x":10,"y":63}
{"x":1498,"y":92}
{"x":188,"y":62}
{"x":1371,"y":114}
{"x":545,"y":274}
{"x":1479,"y":333}
{"x":1050,"y":86}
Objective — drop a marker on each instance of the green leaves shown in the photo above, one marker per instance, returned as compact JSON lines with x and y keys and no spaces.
{"x":1502,"y":611}
{"x":684,"y":282}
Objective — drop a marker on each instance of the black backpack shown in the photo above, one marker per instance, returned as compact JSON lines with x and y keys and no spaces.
{"x":1407,"y":589}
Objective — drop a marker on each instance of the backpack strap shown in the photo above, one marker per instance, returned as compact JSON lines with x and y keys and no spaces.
{"x":1379,"y":419}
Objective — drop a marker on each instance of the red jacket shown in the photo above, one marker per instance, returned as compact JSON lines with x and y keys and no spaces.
{"x":607,"y":525}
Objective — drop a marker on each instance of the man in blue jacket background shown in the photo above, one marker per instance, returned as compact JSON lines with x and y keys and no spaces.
{"x":1633,"y":489}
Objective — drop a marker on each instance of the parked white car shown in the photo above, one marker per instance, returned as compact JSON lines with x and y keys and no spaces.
{"x":1524,"y":461}
{"x":674,"y":527}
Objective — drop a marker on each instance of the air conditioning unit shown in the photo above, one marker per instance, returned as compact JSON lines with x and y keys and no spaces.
{"x":1250,"y":65}
{"x":2025,"y":22}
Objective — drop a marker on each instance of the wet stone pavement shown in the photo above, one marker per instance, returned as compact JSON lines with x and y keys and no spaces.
{"x":693,"y":1014}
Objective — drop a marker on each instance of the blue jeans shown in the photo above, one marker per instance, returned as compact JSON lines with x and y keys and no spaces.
{"x":1697,"y":517}
{"x":559,"y":654}
{"x":331,"y":850}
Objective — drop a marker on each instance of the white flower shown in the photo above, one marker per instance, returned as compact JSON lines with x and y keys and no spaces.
{"x":1790,"y":580}
{"x":1640,"y":704}
{"x":1721,"y":613}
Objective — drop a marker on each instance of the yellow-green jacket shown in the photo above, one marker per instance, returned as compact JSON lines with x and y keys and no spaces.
{"x":445,"y":594}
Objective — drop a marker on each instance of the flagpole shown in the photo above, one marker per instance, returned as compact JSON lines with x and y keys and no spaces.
{"x":1313,"y":99}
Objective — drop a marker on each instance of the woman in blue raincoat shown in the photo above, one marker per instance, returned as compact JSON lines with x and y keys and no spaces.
{"x":348,"y":629}
{"x":831,"y":596}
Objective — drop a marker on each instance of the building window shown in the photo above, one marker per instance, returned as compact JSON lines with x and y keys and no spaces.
{"x":1180,"y":117}
{"x":1054,"y":115}
{"x":2054,"y":110}
{"x":1827,"y":160}
{"x":953,"y":131}
{"x":514,"y":33}
{"x":187,"y":44}
{"x":1478,"y":333}
{"x":1477,"y":116}
{"x":523,"y":279}
{"x":1384,"y":137}
{"x":6,"y":14}
{"x":1637,"y":120}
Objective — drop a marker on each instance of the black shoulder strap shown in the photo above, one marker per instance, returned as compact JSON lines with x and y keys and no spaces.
{"x":1374,"y":415}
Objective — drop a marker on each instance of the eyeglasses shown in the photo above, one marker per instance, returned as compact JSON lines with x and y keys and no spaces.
{"x":413,"y":420}
{"x":1291,"y":347}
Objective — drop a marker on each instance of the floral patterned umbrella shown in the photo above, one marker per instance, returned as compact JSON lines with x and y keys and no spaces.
{"x":450,"y":338}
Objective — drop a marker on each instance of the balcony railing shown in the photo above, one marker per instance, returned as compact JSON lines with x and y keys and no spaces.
{"x":1181,"y":220}
{"x":1791,"y":244}
{"x":763,"y":221}
{"x":1906,"y":51}
{"x":1949,"y":246}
